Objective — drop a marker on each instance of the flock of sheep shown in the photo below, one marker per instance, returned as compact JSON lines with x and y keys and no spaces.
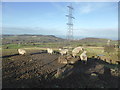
{"x":74,"y":52}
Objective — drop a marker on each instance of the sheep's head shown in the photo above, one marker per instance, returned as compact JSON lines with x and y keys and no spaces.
{"x":85,"y":52}
{"x":48,"y":48}
{"x":18,"y":49}
{"x":60,"y":49}
{"x":82,"y":49}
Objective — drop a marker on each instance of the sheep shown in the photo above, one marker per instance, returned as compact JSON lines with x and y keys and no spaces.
{"x":83,"y":56}
{"x":108,"y":42}
{"x":49,"y":50}
{"x":76,"y":50}
{"x":63,"y":51}
{"x":21,"y":51}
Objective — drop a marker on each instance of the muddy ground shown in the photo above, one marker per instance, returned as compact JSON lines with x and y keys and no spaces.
{"x":38,"y":70}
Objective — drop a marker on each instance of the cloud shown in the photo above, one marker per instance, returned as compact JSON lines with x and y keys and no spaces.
{"x":86,"y":9}
{"x":58,"y":6}
{"x":111,"y":33}
{"x":97,"y":30}
{"x":33,"y":30}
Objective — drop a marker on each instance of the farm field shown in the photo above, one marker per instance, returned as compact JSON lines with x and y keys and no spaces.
{"x":59,"y":44}
{"x":38,"y":69}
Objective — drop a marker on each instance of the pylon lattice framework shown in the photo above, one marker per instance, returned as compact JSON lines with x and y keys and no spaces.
{"x":70,"y":23}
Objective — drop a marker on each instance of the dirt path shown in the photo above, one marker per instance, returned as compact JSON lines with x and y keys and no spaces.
{"x":28,"y":66}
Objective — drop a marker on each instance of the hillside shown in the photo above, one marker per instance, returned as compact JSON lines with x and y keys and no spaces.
{"x":94,"y":40}
{"x":37,"y":39}
{"x":8,"y":39}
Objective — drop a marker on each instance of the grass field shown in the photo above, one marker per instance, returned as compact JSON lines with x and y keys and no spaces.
{"x":91,"y":51}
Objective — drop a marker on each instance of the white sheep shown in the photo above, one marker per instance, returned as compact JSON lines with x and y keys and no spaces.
{"x":63,"y":51}
{"x":21,"y":51}
{"x":49,"y":50}
{"x":76,"y":50}
{"x":108,"y":42}
{"x":83,"y":56}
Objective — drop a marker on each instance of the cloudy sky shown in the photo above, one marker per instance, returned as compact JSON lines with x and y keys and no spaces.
{"x":92,"y":19}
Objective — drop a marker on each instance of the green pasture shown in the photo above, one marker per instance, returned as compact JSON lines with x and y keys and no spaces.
{"x":91,"y":51}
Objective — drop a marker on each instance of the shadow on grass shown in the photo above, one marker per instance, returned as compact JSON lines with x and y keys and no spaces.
{"x":42,"y":51}
{"x":9,"y":56}
{"x":25,"y":54}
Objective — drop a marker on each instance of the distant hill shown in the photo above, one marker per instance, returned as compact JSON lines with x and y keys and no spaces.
{"x":90,"y":41}
{"x":26,"y":38}
{"x":94,"y":40}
